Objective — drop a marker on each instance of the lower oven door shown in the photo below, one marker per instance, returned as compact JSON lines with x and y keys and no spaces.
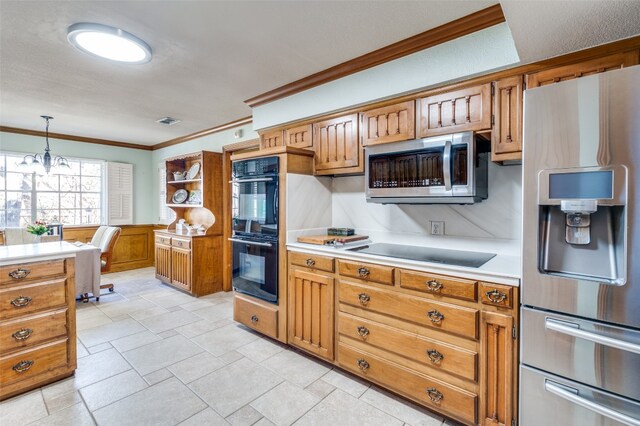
{"x":594,"y":353}
{"x":547,"y":399}
{"x":255,"y":268}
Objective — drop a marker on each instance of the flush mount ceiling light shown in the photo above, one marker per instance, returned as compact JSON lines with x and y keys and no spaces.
{"x":109,"y":42}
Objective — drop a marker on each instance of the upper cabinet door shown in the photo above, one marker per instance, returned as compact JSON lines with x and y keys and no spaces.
{"x":337,"y":148}
{"x":299,"y":136}
{"x":506,"y":135}
{"x":458,"y":111}
{"x":271,"y":138}
{"x":393,"y":123}
{"x":582,"y":69}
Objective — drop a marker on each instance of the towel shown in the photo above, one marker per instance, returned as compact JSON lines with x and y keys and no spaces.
{"x":88,"y":270}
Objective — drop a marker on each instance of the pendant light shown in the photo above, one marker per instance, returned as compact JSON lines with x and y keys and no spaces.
{"x":33,"y":161}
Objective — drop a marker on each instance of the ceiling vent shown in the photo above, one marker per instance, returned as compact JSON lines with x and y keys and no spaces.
{"x":168,"y":121}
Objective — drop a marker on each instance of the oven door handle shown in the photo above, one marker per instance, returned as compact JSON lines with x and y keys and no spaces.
{"x":446,"y":165}
{"x":573,"y":396}
{"x":251,"y":243}
{"x":573,"y":329}
{"x":266,"y":179}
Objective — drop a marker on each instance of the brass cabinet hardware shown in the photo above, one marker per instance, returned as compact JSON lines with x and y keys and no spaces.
{"x":19,"y":274}
{"x":435,"y":316}
{"x":311,"y":262}
{"x":363,"y":331}
{"x":434,"y":286}
{"x":21,"y":301}
{"x":254,"y":319}
{"x":363,"y":272}
{"x":22,"y":366}
{"x":435,"y":356}
{"x":22,"y":334}
{"x":434,"y":395}
{"x":364,"y":298}
{"x":362,"y":364}
{"x":496,"y":296}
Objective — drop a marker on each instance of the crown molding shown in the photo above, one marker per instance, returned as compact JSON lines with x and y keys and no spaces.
{"x":74,"y":138}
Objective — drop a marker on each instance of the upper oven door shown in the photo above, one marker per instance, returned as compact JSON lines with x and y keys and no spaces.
{"x":255,"y":205}
{"x":441,"y":166}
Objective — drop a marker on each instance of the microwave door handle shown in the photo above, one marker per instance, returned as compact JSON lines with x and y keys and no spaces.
{"x":446,"y":165}
{"x":571,"y":329}
{"x":251,"y":243}
{"x":573,"y":397}
{"x":267,"y":179}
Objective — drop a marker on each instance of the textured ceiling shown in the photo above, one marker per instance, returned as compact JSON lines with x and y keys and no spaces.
{"x":209,"y":56}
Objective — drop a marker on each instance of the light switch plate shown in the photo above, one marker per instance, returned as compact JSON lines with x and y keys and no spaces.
{"x":437,"y":227}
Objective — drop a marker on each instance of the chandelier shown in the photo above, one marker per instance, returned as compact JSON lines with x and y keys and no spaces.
{"x":32,"y":161}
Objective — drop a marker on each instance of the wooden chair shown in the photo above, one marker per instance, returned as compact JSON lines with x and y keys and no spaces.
{"x":105,"y":238}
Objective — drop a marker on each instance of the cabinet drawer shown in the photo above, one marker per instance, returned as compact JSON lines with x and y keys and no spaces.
{"x":181,"y":242}
{"x":430,"y":352}
{"x":31,"y":331}
{"x":32,"y":271}
{"x":496,"y":295}
{"x":16,"y":301}
{"x":366,"y":271}
{"x":163,"y":239}
{"x":436,"y":315}
{"x":439,"y":285}
{"x":255,"y":315}
{"x":32,"y":362}
{"x":312,"y":261}
{"x":433,"y":393}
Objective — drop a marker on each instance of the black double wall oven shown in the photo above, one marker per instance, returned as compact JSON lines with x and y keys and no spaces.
{"x":255,"y":227}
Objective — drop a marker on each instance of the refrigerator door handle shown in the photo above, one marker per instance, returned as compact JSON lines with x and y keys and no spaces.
{"x":573,"y":329}
{"x":574,"y":397}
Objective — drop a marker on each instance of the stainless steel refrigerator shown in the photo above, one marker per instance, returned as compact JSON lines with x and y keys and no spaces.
{"x":580,"y":322}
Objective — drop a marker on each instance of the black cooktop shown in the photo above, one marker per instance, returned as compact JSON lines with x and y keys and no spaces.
{"x":470,"y":259}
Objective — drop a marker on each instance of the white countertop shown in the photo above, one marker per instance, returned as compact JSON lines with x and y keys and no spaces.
{"x":42,"y":251}
{"x":502,"y":269}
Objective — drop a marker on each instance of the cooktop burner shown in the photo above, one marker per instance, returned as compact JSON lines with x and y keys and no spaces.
{"x":470,"y":259}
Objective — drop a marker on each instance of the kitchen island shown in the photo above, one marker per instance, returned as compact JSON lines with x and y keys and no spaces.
{"x":37,"y":315}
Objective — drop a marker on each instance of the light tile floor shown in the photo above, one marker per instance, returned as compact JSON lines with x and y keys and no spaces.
{"x":151,"y":355}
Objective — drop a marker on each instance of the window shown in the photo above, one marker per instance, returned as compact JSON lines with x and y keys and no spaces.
{"x":73,"y":198}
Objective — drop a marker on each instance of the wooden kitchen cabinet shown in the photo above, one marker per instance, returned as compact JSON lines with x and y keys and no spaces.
{"x":311,"y":312}
{"x":299,"y":136}
{"x":271,"y":138}
{"x":163,"y":260}
{"x":498,"y":368}
{"x":337,"y":148}
{"x":181,"y":268}
{"x":582,"y":69}
{"x":393,"y":123}
{"x":457,"y":111}
{"x":506,"y":135}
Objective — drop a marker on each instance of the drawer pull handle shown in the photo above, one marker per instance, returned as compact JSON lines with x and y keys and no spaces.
{"x":22,"y":334}
{"x":364,"y":299}
{"x":19,"y":274}
{"x":363,"y":272}
{"x":496,"y":296}
{"x":435,"y":395}
{"x":22,"y":366}
{"x":311,"y":262}
{"x":362,"y":364}
{"x":434,"y":286}
{"x":363,"y":331}
{"x":435,"y":316}
{"x":254,"y":319}
{"x":21,"y":301}
{"x":435,"y":356}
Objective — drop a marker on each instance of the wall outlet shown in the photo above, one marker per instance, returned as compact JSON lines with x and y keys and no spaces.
{"x":437,"y":227}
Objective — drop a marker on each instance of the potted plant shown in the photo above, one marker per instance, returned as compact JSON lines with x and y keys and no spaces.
{"x":37,"y":228}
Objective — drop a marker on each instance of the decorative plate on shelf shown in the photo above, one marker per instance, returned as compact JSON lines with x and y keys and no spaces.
{"x":195,"y":197}
{"x":180,"y":196}
{"x":193,"y":171}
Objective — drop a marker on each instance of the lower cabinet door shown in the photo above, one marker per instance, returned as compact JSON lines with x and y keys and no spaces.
{"x":181,"y":268}
{"x":163,"y":263}
{"x":311,"y":310}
